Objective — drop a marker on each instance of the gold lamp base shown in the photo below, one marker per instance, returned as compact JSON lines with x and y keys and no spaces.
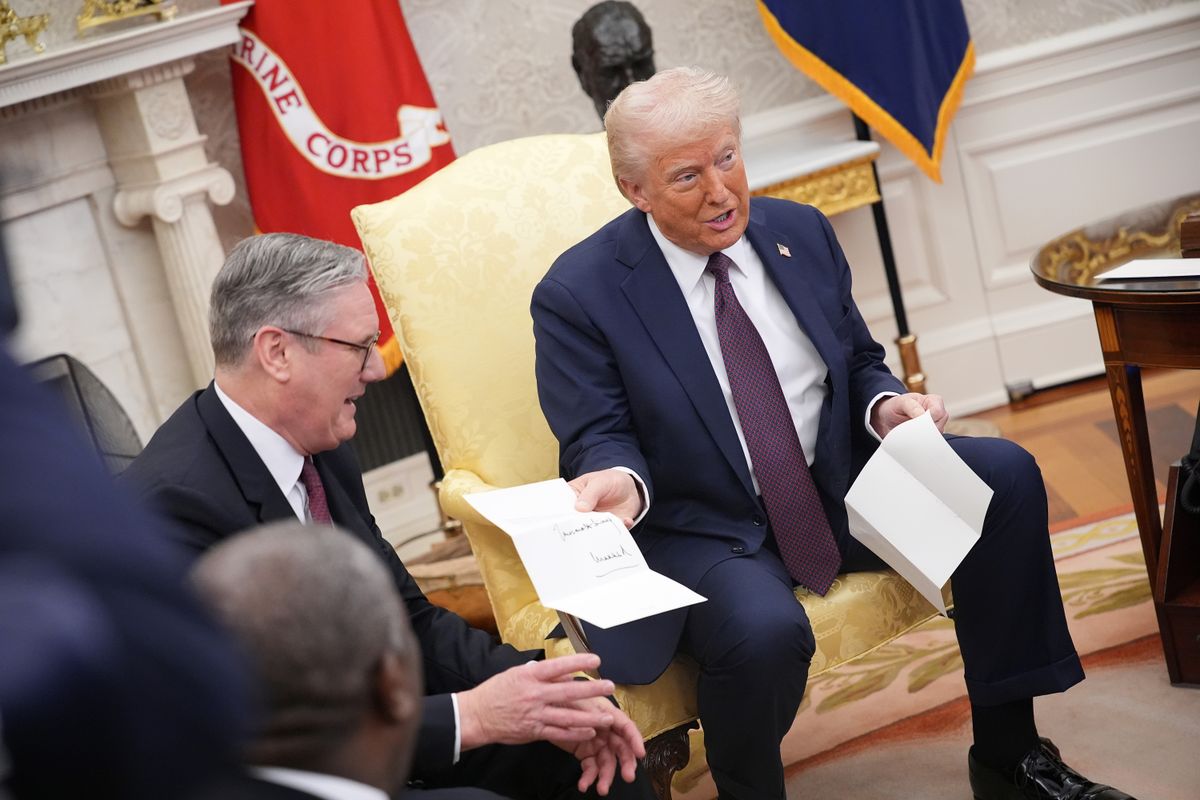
{"x":910,"y":360}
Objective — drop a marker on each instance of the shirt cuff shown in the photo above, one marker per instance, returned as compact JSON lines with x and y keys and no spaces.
{"x":641,"y":487}
{"x":871,"y":407}
{"x":457,"y":729}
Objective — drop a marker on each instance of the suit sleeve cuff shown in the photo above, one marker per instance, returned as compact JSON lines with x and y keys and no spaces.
{"x":871,"y":407}
{"x":457,"y":728}
{"x":437,"y":737}
{"x":641,"y":487}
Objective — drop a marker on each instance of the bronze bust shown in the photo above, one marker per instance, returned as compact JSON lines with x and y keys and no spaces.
{"x":612,"y":49}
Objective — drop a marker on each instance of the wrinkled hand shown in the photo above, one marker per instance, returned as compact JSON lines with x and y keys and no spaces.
{"x":608,"y":490}
{"x":617,"y":746}
{"x":891,"y":411}
{"x":534,"y":701}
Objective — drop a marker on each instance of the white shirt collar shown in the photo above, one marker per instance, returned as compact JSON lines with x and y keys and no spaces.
{"x":328,"y":787}
{"x":689,"y":267}
{"x":281,"y":459}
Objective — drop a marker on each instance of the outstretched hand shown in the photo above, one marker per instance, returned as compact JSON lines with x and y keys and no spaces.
{"x":891,"y":411}
{"x":534,"y":701}
{"x":610,"y":490}
{"x":617,"y":747}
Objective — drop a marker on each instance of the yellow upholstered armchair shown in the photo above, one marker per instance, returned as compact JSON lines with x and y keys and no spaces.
{"x":456,"y":259}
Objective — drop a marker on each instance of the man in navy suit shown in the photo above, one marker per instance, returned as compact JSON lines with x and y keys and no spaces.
{"x":710,"y":381}
{"x":293,"y":330}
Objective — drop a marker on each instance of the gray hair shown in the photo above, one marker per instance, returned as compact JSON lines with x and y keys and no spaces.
{"x":276,"y":279}
{"x":315,"y":610}
{"x":679,"y":103}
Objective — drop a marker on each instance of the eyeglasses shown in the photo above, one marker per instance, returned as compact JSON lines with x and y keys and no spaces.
{"x":366,"y":348}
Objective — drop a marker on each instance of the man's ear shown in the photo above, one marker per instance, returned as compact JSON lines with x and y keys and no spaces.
{"x":271,"y":351}
{"x":633,"y":192}
{"x":397,"y":695}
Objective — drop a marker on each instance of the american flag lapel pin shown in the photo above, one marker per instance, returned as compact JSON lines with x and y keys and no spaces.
{"x":783,"y":251}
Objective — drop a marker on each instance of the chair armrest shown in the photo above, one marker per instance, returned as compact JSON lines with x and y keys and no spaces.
{"x":455,"y":485}
{"x":521,"y":620}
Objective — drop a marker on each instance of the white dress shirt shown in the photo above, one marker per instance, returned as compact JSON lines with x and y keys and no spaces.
{"x":281,"y":459}
{"x":284,"y":463}
{"x":327,"y":787}
{"x":799,"y":366}
{"x":797,"y":363}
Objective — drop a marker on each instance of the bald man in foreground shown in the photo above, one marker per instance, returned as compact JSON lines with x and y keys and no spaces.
{"x":338,"y":667}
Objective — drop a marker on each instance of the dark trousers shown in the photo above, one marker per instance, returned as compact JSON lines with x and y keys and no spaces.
{"x":536,"y":771}
{"x":753,"y":640}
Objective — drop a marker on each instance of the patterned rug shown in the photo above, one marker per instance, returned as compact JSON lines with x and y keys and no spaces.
{"x":919,"y":676}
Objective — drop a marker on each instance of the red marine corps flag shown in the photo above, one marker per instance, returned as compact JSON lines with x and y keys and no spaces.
{"x":333,"y":111}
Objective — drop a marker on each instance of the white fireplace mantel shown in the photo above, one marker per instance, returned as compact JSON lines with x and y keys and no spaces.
{"x":106,"y":56}
{"x":107,"y":205}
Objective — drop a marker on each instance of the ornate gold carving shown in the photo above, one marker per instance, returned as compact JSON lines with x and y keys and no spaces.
{"x":13,"y":27}
{"x":832,"y":190}
{"x":102,"y":12}
{"x":1076,"y":258}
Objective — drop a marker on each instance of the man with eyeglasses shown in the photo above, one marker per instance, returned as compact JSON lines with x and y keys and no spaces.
{"x":293,"y":329}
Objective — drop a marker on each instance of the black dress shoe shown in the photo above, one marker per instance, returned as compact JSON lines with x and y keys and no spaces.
{"x":1040,"y":775}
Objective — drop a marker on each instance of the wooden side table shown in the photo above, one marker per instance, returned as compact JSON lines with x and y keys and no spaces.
{"x":1149,"y":323}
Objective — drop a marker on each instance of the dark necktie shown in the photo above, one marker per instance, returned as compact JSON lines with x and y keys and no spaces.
{"x":318,"y":506}
{"x":794,"y":508}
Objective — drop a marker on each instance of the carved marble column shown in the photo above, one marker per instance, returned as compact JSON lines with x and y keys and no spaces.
{"x":162,"y":172}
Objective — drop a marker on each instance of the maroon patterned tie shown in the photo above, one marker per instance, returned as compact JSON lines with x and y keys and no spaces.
{"x":318,"y":506}
{"x":794,"y":508}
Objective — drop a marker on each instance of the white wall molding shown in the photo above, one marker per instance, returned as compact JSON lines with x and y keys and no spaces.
{"x":99,"y":134}
{"x":1054,"y":310}
{"x":1061,"y":134}
{"x":102,"y":57}
{"x":1055,"y":52}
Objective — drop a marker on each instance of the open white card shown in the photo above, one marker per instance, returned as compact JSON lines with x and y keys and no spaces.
{"x":584,"y":564}
{"x":917,"y":506}
{"x":1145,"y":268}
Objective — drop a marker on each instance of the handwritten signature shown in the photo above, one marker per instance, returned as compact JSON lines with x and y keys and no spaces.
{"x":565,"y":532}
{"x":600,"y":558}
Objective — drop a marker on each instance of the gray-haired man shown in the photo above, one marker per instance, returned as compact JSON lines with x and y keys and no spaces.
{"x":294,"y":330}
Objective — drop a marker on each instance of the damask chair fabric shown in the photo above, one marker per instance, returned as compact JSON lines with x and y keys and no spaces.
{"x":456,"y":259}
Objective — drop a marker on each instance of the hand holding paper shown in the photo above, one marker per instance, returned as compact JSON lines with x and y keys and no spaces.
{"x":584,"y":564}
{"x":917,"y":506}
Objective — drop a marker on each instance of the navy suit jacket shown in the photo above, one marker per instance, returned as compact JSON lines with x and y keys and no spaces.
{"x":200,"y":470}
{"x":114,"y":681}
{"x":624,"y":380}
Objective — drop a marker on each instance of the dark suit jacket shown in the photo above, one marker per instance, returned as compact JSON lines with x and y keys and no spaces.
{"x":624,"y":380}
{"x":200,"y":470}
{"x":107,"y":663}
{"x":247,"y":787}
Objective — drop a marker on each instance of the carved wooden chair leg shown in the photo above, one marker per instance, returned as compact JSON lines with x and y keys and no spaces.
{"x":666,"y":754}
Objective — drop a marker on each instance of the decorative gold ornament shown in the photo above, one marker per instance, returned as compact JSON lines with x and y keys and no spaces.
{"x":832,"y":190}
{"x":102,"y":12}
{"x":12,"y":27}
{"x":1076,"y":257}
